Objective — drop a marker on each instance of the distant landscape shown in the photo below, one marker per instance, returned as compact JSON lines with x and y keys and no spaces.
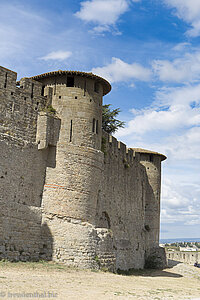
{"x":179,"y":240}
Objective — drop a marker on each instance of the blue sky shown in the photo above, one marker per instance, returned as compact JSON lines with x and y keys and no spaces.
{"x":150,"y":52}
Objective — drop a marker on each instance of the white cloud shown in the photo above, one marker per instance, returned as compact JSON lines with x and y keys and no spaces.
{"x":119,"y":70}
{"x":57,"y":55}
{"x":184,"y":147}
{"x":161,"y":120}
{"x":182,"y":96}
{"x":104,"y":13}
{"x":180,"y":203}
{"x":181,"y":46}
{"x":189,"y":11}
{"x":173,"y":109}
{"x":184,"y":69}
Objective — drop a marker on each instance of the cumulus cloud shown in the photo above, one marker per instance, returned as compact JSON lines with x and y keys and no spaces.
{"x":180,"y":203}
{"x":162,"y":120}
{"x":57,"y":55}
{"x":184,"y":69}
{"x":182,"y":96}
{"x":119,"y":70}
{"x":189,"y":11}
{"x":173,"y":108}
{"x":184,"y":147}
{"x":181,"y":46}
{"x":103,"y":13}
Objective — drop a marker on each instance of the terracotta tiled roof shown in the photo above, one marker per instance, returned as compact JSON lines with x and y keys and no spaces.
{"x":106,"y":84}
{"x":140,"y":150}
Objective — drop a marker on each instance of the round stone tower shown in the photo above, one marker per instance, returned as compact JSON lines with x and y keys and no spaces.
{"x":74,"y":165}
{"x":152,"y":163}
{"x":71,"y":187}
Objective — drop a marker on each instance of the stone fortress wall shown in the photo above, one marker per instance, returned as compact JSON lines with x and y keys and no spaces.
{"x":69,"y":192}
{"x":183,"y":256}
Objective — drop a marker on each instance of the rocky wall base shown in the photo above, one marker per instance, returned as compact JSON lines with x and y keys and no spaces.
{"x":79,"y":244}
{"x":156,"y":259}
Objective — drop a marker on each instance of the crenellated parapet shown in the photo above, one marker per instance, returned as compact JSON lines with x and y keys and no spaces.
{"x":117,"y":149}
{"x":20,"y":105}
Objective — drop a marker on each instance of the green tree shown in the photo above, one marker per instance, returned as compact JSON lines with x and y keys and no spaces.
{"x":109,"y":122}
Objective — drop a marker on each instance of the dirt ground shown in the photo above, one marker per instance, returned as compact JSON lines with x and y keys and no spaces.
{"x":52,"y":281}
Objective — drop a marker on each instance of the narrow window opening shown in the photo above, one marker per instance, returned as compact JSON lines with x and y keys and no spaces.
{"x":59,"y":97}
{"x":6,"y":79}
{"x":104,"y":220}
{"x":97,"y":126}
{"x":12,"y":93}
{"x":55,"y":87}
{"x":32,"y":89}
{"x":36,"y":108}
{"x":76,"y":97}
{"x":93,"y":125}
{"x":151,"y":158}
{"x":84,"y":87}
{"x":70,"y":139}
{"x":70,"y":81}
{"x":96,"y":87}
{"x":42,"y":91}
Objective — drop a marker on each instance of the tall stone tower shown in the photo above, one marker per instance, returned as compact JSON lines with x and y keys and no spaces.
{"x":152,"y":162}
{"x":71,"y":185}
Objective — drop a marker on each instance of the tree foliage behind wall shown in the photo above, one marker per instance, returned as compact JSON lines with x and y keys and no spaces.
{"x":109,"y":122}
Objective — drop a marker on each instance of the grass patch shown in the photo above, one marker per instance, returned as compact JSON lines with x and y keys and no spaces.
{"x":45,"y":265}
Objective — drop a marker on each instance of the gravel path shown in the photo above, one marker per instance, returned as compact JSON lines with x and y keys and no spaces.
{"x":51,"y":281}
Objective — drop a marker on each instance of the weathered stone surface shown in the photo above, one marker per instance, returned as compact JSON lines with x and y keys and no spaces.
{"x":156,"y":258}
{"x":184,"y":256}
{"x":69,"y":192}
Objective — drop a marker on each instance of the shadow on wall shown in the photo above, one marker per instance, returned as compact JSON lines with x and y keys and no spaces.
{"x":23,"y":238}
{"x":52,"y":143}
{"x":104,"y":220}
{"x":46,"y":248}
{"x":51,"y":158}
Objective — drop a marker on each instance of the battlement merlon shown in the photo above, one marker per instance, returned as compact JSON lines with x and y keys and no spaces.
{"x":137,"y":153}
{"x":28,"y":86}
{"x":118,"y":147}
{"x":7,"y":78}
